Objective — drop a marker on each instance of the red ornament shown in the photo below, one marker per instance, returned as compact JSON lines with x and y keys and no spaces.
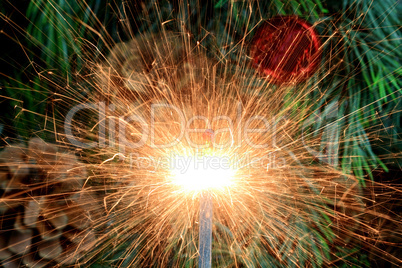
{"x":286,"y":49}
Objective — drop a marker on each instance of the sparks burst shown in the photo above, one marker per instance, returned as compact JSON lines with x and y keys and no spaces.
{"x":285,"y":167}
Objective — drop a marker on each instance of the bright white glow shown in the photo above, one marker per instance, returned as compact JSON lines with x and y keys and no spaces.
{"x":196,"y":173}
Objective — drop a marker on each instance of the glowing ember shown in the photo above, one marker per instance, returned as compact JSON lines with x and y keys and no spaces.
{"x":196,"y":173}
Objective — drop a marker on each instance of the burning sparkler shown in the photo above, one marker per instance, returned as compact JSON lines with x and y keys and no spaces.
{"x":278,"y":182}
{"x":206,"y":218}
{"x":201,"y":177}
{"x":204,"y":180}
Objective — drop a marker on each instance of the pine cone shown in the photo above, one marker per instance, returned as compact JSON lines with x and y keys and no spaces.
{"x":45,"y":218}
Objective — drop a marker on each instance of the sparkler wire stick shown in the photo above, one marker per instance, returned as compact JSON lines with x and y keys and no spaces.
{"x":205,"y":235}
{"x":205,"y":220}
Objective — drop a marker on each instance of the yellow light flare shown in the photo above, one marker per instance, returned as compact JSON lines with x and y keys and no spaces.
{"x":202,"y":172}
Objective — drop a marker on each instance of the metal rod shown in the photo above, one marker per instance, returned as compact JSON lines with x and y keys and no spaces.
{"x":205,"y":236}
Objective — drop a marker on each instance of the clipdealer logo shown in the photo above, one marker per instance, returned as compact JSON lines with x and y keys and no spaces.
{"x":238,"y":128}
